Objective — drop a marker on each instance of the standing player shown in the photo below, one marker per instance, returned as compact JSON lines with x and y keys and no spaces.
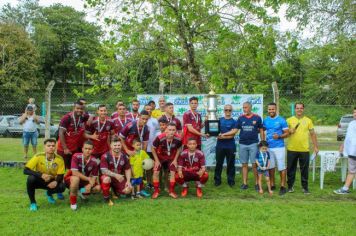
{"x":116,"y":113}
{"x":83,"y":175}
{"x":136,"y":129}
{"x":119,"y":118}
{"x":276,"y":130}
{"x":169,"y":116}
{"x":135,"y":105}
{"x":157,"y":113}
{"x":71,"y":132}
{"x":45,"y":171}
{"x":100,"y":131}
{"x":116,"y":171}
{"x":166,"y":149}
{"x":191,"y":167}
{"x":192,"y":123}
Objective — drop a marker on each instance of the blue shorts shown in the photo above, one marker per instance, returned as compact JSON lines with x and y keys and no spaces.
{"x":136,"y":181}
{"x":263,"y":172}
{"x":29,"y":136}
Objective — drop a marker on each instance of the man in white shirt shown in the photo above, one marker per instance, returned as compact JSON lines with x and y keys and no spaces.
{"x":348,"y":148}
{"x":29,"y":121}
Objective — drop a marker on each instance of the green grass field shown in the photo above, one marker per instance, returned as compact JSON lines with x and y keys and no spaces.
{"x":222,"y":211}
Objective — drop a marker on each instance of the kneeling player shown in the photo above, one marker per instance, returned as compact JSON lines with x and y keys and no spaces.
{"x":191,"y":167}
{"x":116,"y":171}
{"x":166,"y":149}
{"x":83,"y":174}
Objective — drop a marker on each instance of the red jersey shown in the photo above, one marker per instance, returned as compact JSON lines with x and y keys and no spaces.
{"x":116,"y":165}
{"x":132,"y":116}
{"x":119,"y":123}
{"x":174,"y":120}
{"x":195,"y":120}
{"x":88,"y":168}
{"x":166,"y":150}
{"x":103,"y":129}
{"x":74,"y":128}
{"x":132,"y":131}
{"x":189,"y":161}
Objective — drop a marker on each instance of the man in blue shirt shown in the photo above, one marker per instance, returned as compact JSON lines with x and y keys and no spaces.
{"x":276,"y":130}
{"x":226,"y":147}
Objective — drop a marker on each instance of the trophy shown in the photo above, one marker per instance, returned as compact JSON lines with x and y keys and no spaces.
{"x":212,"y":124}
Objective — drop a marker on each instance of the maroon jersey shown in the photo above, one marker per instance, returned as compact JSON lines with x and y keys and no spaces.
{"x":194,"y":119}
{"x":132,"y":131}
{"x":119,"y":123}
{"x":88,"y":168}
{"x":74,"y":128}
{"x":174,"y":120}
{"x":166,"y":150}
{"x":116,"y":165}
{"x":103,"y":129}
{"x":132,"y":116}
{"x":191,"y":161}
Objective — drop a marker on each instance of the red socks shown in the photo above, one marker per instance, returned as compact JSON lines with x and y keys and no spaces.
{"x":73,"y":200}
{"x":156,"y":186}
{"x":171,"y":186}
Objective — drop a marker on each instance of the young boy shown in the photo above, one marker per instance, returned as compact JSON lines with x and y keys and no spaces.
{"x":263,"y":163}
{"x":137,"y":170}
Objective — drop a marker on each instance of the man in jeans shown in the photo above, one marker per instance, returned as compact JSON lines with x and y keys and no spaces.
{"x":226,"y":147}
{"x":29,"y":121}
{"x":300,"y":128}
{"x":348,"y":148}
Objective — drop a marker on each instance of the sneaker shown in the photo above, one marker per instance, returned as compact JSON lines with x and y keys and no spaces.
{"x":184,"y":192}
{"x":291,"y":190}
{"x":341,"y":191}
{"x":108,"y":201}
{"x":282,"y":191}
{"x":273,"y":187}
{"x":33,"y":207}
{"x":144,"y":193}
{"x":149,"y":187}
{"x":60,"y":196}
{"x":244,"y":186}
{"x":74,"y":207}
{"x":173,"y":195}
{"x":50,"y":198}
{"x":155,"y":194}
{"x":133,"y":196}
{"x":257,"y":188}
{"x":306,"y":191}
{"x":231,"y":184}
{"x":81,"y":195}
{"x":139,"y":195}
{"x":217,"y":183}
{"x":199,"y":192}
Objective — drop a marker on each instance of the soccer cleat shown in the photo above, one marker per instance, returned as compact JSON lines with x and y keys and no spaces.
{"x":50,"y":198}
{"x":108,"y":201}
{"x":184,"y":192}
{"x":306,"y":191}
{"x":74,"y":207}
{"x":244,"y":186}
{"x":33,"y":207}
{"x":139,"y":195}
{"x":81,"y":195}
{"x":133,"y":196}
{"x":291,"y":190}
{"x":144,"y":193}
{"x":60,"y":196}
{"x":199,"y":192}
{"x":173,"y":195}
{"x":155,"y":194}
{"x":341,"y":191}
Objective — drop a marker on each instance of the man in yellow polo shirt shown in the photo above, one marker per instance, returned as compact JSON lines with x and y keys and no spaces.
{"x":300,"y":128}
{"x":157,"y":113}
{"x":45,"y":171}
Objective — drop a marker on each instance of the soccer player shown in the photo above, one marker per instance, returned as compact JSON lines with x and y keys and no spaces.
{"x":83,"y":175}
{"x":276,"y":131}
{"x":166,"y":149}
{"x":45,"y":171}
{"x":137,"y":170}
{"x":157,"y":113}
{"x":193,"y":124}
{"x":136,"y":129}
{"x":100,"y":131}
{"x":116,"y":113}
{"x":163,"y":123}
{"x":134,"y":115}
{"x":71,"y":132}
{"x":169,"y":116}
{"x":119,"y":118}
{"x":116,"y":171}
{"x":191,"y":167}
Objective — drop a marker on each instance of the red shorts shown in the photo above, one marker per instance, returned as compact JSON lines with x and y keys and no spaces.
{"x":166,"y":165}
{"x":82,"y":183}
{"x":117,"y":186}
{"x":192,"y":176}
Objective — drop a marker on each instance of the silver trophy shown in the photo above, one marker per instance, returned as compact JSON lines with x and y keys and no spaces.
{"x":212,"y":126}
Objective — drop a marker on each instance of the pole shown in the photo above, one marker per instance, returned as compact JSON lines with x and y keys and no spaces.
{"x":48,"y":109}
{"x":275,"y":95}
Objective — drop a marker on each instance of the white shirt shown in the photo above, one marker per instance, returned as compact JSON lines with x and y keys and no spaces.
{"x":153,"y":127}
{"x":350,"y":140}
{"x":29,"y":125}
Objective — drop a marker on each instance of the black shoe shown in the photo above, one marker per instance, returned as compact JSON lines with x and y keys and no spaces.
{"x":306,"y":191}
{"x":291,"y":190}
{"x":282,"y":191}
{"x":217,"y":184}
{"x":257,"y":188}
{"x":273,"y":188}
{"x":231,"y":184}
{"x":244,"y":186}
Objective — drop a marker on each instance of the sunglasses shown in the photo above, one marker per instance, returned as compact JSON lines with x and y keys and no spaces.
{"x":228,"y":110}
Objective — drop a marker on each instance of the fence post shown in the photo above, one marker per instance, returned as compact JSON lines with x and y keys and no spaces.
{"x":275,"y":96}
{"x":48,"y":109}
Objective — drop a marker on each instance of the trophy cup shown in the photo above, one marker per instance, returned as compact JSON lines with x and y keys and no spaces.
{"x":212,"y":124}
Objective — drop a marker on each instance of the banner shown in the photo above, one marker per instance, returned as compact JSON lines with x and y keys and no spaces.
{"x":181,"y":105}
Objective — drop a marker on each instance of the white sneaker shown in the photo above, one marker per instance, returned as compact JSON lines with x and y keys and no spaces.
{"x":74,"y":207}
